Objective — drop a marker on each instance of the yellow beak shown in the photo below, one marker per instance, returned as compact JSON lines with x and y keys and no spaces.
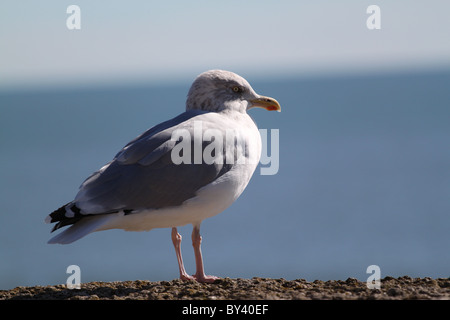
{"x":266,"y":103}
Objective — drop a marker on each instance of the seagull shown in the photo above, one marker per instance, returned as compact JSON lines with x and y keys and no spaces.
{"x":178,"y":172}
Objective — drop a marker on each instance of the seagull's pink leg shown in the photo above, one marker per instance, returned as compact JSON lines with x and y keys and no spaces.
{"x":196,"y":243}
{"x":176,"y":239}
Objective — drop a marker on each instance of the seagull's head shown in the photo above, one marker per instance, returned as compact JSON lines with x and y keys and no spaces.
{"x":219,"y":90}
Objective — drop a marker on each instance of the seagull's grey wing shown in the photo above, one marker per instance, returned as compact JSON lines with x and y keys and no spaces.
{"x":143,"y":176}
{"x":146,"y":142}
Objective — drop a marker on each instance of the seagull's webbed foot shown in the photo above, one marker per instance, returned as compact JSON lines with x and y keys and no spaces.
{"x":205,"y":279}
{"x":186,"y":277}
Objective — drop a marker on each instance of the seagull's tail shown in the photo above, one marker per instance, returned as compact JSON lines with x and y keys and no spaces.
{"x":80,"y":229}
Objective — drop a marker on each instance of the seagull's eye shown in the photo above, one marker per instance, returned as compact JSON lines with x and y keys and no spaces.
{"x":237,"y":89}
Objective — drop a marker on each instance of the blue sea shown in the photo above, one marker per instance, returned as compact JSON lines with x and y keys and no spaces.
{"x":364,"y":179}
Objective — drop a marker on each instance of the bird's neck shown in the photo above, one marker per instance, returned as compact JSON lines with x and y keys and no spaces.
{"x":222,"y":107}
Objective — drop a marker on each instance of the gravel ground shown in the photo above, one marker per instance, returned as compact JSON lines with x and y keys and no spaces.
{"x":241,"y":289}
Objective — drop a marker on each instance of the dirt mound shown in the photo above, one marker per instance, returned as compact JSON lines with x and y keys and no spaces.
{"x":241,"y":289}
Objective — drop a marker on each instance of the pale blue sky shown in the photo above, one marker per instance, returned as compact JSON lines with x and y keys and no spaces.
{"x":122,"y":41}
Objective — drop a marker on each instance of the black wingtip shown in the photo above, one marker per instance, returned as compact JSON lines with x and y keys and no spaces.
{"x":59,"y":216}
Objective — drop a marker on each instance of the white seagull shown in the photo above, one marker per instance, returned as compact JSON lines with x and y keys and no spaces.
{"x":179,"y":172}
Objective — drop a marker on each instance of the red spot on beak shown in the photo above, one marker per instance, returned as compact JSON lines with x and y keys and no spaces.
{"x":272,"y":108}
